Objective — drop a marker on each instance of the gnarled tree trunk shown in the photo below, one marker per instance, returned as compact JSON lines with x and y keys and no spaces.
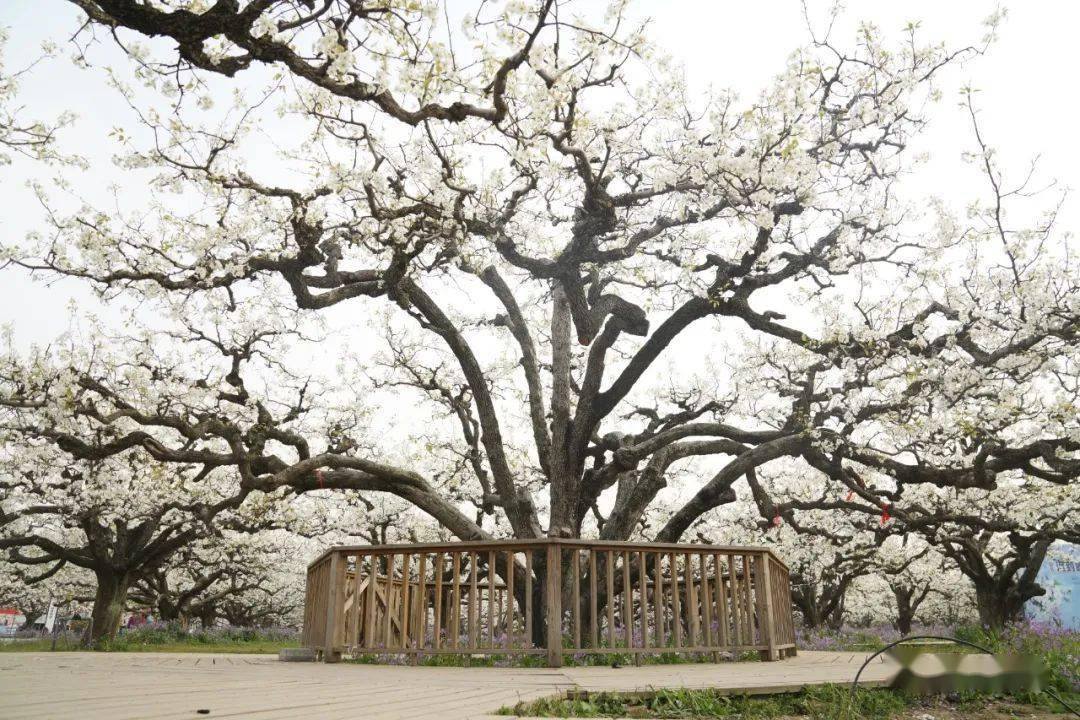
{"x":110,"y":600}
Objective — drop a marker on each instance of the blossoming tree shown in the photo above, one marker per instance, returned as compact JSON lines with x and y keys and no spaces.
{"x":532,"y":227}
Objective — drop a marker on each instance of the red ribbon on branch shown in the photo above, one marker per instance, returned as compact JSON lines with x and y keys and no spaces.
{"x":319,"y":477}
{"x":885,"y":517}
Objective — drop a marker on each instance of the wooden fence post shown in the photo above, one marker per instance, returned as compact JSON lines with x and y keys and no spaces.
{"x":765,"y":605}
{"x":335,"y":599}
{"x":553,"y":605}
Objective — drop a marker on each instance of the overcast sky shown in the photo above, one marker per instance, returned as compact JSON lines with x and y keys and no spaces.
{"x":1026,"y":83}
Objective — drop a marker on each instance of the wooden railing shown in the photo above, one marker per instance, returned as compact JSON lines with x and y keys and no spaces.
{"x":548,"y":597}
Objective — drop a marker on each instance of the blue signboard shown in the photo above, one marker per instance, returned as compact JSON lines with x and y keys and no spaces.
{"x":1060,"y":575}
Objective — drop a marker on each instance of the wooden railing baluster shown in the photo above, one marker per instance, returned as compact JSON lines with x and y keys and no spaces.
{"x":658,"y":602}
{"x":403,"y":628}
{"x":455,"y":619}
{"x":643,"y":594}
{"x":553,"y":606}
{"x":706,"y":603}
{"x":492,"y":614}
{"x":575,"y":611}
{"x":611,"y":598}
{"x":734,"y":603}
{"x":721,"y":602}
{"x":628,"y":602}
{"x":748,"y":601}
{"x":421,"y":605}
{"x":369,"y":606}
{"x":528,"y":630}
{"x":594,"y":621}
{"x":474,"y":602}
{"x":691,"y":599}
{"x":676,"y":605}
{"x":511,"y":566}
{"x":336,"y":597}
{"x":440,"y":566}
{"x":388,"y":614}
{"x":353,"y":638}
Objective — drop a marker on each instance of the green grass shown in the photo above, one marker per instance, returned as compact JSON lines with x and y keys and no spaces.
{"x":826,"y":702}
{"x":527,"y":661}
{"x":240,"y":646}
{"x":167,"y":638}
{"x":829,"y":702}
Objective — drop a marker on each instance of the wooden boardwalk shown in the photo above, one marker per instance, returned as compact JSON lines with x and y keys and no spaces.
{"x":166,"y":686}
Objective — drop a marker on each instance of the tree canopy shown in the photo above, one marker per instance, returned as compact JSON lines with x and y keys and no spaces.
{"x":581,"y":282}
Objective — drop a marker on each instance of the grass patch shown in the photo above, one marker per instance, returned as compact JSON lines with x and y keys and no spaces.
{"x":826,"y":702}
{"x":537,"y":661}
{"x":166,"y":638}
{"x":251,"y":647}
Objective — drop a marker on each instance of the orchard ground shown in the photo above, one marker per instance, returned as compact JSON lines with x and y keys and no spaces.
{"x":1057,"y":647}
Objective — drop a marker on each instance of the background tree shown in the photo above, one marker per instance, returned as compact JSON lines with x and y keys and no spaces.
{"x":78,"y":493}
{"x":245,"y":579}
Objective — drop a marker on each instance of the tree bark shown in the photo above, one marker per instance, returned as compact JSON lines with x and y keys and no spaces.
{"x":908,"y":601}
{"x":110,"y":600}
{"x":904,"y":612}
{"x":998,"y":608}
{"x":206,"y":619}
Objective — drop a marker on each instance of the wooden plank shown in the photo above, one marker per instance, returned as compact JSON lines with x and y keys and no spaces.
{"x":528,"y":597}
{"x":691,"y":599}
{"x":748,"y":605}
{"x":575,"y":569}
{"x":721,"y":603}
{"x":734,"y":595}
{"x":357,"y":608}
{"x":440,"y":566}
{"x":643,"y":593}
{"x":492,"y":614}
{"x":369,"y":606}
{"x":676,"y":606}
{"x":594,"y":621}
{"x":536,"y":543}
{"x":455,"y":619}
{"x":611,"y":598}
{"x":334,"y":605}
{"x":406,"y":568}
{"x":765,"y":605}
{"x":553,"y":609}
{"x":388,"y":597}
{"x":474,"y":602}
{"x":708,"y":637}
{"x":658,"y":601}
{"x":421,"y":605}
{"x":508,"y":639}
{"x":628,"y":602}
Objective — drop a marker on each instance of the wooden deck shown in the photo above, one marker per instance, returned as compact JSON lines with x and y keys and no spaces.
{"x":164,"y":686}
